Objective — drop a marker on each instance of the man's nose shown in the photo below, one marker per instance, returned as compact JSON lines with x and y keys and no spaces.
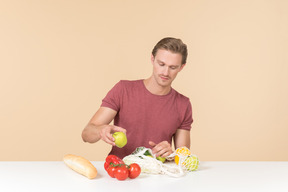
{"x":166,"y":71}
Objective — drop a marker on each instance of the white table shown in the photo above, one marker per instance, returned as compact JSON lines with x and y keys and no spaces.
{"x":54,"y":176}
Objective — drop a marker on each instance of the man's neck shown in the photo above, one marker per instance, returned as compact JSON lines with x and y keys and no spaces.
{"x":153,"y":87}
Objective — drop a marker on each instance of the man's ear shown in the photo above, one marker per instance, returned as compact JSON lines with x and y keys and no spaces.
{"x":182,"y":66}
{"x":152,"y":58}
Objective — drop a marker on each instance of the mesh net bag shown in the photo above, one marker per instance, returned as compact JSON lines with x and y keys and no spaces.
{"x":188,"y":161}
{"x":149,"y":164}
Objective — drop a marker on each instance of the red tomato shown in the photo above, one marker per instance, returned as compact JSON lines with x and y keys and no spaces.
{"x":111,"y":171}
{"x":121,"y":172}
{"x":134,"y":170}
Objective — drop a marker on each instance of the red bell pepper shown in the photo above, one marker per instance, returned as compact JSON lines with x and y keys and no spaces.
{"x":112,"y":160}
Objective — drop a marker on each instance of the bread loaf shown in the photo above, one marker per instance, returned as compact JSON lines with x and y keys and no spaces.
{"x":80,"y":165}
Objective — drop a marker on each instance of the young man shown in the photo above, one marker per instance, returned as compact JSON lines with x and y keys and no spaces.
{"x":149,"y":111}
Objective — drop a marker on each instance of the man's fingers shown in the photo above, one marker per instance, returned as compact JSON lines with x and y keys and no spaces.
{"x":110,"y":137}
{"x":110,"y":142}
{"x":152,"y":143}
{"x":119,"y":129}
{"x":107,"y":132}
{"x":161,"y":149}
{"x":163,"y":152}
{"x":107,"y":136}
{"x":166,"y":154}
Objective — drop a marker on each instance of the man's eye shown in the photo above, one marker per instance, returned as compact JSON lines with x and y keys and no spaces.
{"x":161,"y":64}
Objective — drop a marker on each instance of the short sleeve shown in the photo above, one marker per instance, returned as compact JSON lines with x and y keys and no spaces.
{"x":187,"y":120}
{"x":113,"y":97}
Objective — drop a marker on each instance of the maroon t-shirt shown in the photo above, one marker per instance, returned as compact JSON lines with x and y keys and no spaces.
{"x":145,"y":116}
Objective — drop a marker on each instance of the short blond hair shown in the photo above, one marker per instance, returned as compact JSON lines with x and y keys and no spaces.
{"x":172,"y":44}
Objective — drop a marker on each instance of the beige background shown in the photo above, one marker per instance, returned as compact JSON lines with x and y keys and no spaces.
{"x":59,"y":58}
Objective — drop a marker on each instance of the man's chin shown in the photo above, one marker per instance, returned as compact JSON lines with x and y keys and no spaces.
{"x":165,"y":83}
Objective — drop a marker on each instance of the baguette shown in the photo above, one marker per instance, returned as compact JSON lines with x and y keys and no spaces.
{"x":80,"y":165}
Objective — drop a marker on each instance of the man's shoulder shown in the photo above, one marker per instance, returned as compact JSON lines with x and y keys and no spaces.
{"x":130,"y":83}
{"x":180,"y":95}
{"x":180,"y":98}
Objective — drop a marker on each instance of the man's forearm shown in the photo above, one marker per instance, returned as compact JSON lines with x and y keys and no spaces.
{"x":182,"y":138}
{"x":91,"y":133}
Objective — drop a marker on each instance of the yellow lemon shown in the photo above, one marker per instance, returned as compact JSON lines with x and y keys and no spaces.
{"x":182,"y":152}
{"x":176,"y":159}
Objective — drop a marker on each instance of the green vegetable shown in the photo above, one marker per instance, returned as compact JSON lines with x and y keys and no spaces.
{"x":142,"y":150}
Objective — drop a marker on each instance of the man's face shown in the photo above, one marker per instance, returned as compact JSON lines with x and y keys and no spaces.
{"x":166,"y":66}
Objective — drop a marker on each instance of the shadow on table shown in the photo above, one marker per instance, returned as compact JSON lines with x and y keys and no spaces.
{"x":203,"y":166}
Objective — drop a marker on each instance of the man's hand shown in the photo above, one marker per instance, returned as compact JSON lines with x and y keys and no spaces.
{"x":99,"y":128}
{"x":107,"y":131}
{"x":162,"y":149}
